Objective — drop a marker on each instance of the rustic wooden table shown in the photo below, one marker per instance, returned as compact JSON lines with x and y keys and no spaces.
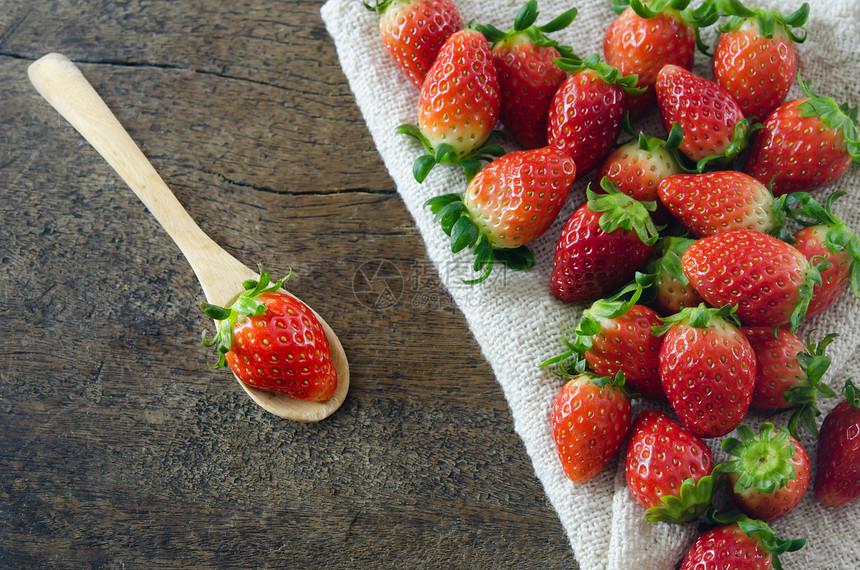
{"x":119,"y":446}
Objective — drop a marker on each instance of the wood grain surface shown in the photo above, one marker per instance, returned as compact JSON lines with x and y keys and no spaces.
{"x":119,"y":446}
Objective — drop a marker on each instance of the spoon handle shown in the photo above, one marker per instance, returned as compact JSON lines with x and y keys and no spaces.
{"x":63,"y":85}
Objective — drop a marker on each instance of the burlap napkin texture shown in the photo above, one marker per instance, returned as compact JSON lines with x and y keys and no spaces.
{"x":519,"y":324}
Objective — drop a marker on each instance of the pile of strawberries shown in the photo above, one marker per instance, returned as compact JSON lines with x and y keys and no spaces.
{"x":694,"y":284}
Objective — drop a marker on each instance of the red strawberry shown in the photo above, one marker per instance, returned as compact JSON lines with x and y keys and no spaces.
{"x":273,"y":341}
{"x":509,"y":203}
{"x":714,"y":126}
{"x":804,"y":144}
{"x":602,"y":245}
{"x":615,"y":336}
{"x":590,"y":419}
{"x":458,"y":105}
{"x":642,"y":39}
{"x":829,"y":238}
{"x":837,"y":478}
{"x":668,"y":469}
{"x":777,"y":366}
{"x":413,"y":31}
{"x":637,"y":168}
{"x":769,"y":473}
{"x":585,"y":114}
{"x":789,"y":374}
{"x":755,"y":58}
{"x":741,"y":543}
{"x":767,"y":279}
{"x":707,"y":368}
{"x":672,"y":289}
{"x":525,"y":63}
{"x":715,"y":202}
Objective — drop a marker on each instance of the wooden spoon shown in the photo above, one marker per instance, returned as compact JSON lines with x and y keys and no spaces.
{"x":221,"y":275}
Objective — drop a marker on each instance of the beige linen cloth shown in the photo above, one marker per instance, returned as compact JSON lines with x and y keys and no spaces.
{"x":519,"y":324}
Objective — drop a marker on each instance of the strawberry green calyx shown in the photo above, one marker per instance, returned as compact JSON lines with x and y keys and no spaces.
{"x":379,"y":6}
{"x":609,"y":74}
{"x":572,"y":361}
{"x":769,"y":22}
{"x":761,"y":461}
{"x":699,"y":317}
{"x":622,"y":211}
{"x":247,"y":305}
{"x":851,"y":394}
{"x":833,"y":115}
{"x":616,"y":382}
{"x":456,"y":221}
{"x":693,"y":499}
{"x":806,"y":291}
{"x":815,"y":363}
{"x":672,"y":142}
{"x":647,"y":142}
{"x":524,"y":25}
{"x":704,"y":15}
{"x":741,"y":134}
{"x":667,"y":258}
{"x":760,"y":531}
{"x":446,"y":154}
{"x":805,"y":210}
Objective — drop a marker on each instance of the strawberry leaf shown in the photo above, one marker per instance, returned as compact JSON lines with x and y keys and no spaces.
{"x":559,"y":22}
{"x":526,"y":16}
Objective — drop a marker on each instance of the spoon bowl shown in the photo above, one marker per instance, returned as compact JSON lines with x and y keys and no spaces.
{"x":220,"y":274}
